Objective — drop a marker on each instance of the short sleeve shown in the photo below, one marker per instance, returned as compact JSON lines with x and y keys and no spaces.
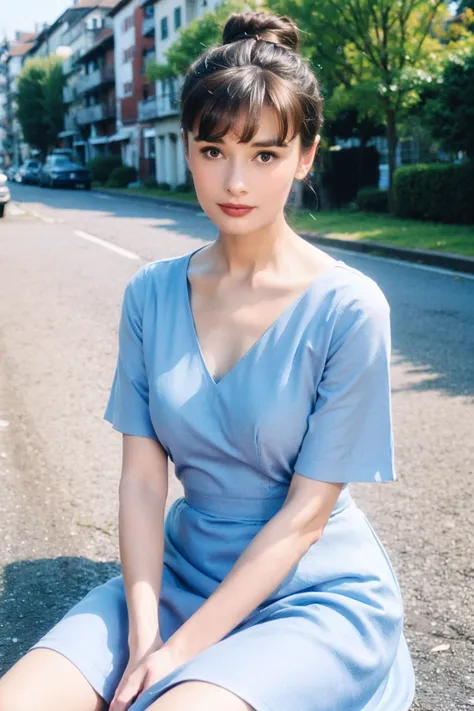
{"x":349,"y":436}
{"x":128,"y":406}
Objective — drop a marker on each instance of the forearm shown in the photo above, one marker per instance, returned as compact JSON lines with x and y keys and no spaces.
{"x":263,"y":566}
{"x":141,"y":537}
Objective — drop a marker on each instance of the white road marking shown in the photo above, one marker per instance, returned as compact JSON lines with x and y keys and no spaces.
{"x":43,"y":218}
{"x":107,"y":245}
{"x":402,"y":262}
{"x":101,"y":197}
{"x":14,"y":210}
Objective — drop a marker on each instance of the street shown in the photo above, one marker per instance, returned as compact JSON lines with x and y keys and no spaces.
{"x":65,"y":257}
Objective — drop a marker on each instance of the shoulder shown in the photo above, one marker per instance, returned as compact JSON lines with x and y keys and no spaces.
{"x":361,"y":312}
{"x":358,"y":295}
{"x":151,"y":277}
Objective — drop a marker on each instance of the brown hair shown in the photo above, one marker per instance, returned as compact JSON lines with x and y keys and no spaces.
{"x":256,"y":65}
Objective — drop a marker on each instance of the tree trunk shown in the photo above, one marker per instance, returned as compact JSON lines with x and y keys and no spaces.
{"x":392,"y":140}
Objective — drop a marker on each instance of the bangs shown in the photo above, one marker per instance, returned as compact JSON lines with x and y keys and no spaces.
{"x":218,"y":102}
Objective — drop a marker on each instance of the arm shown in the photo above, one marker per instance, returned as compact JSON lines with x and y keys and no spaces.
{"x":264,"y":564}
{"x":142,"y":497}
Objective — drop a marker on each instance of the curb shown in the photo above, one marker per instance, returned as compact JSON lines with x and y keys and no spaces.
{"x":445,"y":260}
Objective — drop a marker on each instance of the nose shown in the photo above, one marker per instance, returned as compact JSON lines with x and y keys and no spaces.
{"x":235,"y":178}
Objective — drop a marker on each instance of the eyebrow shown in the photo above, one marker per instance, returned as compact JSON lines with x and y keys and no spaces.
{"x":269,"y":143}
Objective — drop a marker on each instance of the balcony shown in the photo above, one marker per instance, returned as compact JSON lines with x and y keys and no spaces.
{"x":148,"y":109}
{"x":148,"y":26}
{"x":93,"y":114}
{"x":68,"y":94}
{"x":70,"y":123}
{"x":168,"y":105}
{"x":158,"y":107}
{"x":89,"y":82}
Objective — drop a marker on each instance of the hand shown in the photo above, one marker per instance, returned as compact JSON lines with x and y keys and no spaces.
{"x":142,"y":673}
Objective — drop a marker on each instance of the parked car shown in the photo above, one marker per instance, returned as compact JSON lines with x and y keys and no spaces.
{"x":29,"y":172}
{"x":60,"y":170}
{"x":4,"y":193}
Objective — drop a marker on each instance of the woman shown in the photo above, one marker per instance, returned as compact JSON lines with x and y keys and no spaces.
{"x":260,"y":366}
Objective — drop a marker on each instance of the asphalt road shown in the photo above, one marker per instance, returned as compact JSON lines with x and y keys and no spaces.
{"x":65,"y":257}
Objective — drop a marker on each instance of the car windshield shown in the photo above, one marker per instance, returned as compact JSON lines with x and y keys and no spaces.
{"x":61,"y":161}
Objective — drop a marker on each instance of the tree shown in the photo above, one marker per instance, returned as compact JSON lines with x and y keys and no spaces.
{"x":40,"y":102}
{"x":449,"y":112}
{"x":380,"y":53}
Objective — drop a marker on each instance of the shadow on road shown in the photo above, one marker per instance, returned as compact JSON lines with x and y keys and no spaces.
{"x":37,"y":593}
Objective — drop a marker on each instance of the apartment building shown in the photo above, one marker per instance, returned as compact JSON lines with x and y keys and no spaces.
{"x":170,"y":17}
{"x":3,"y":105}
{"x":95,"y":89}
{"x":85,"y":24}
{"x":134,"y":47}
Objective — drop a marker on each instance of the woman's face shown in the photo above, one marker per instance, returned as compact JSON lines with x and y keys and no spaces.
{"x":258,"y":174}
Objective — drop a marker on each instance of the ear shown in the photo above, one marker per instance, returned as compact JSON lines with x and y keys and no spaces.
{"x":307,"y":160}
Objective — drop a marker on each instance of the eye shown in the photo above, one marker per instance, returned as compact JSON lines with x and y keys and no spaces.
{"x":206,"y":152}
{"x":268,"y":154}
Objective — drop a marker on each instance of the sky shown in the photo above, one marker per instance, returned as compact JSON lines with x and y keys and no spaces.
{"x":23,"y":14}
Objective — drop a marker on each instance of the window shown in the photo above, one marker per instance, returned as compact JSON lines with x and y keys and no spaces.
{"x":128,"y":54}
{"x":177,"y":18}
{"x":164,"y":28}
{"x":127,"y":88}
{"x":128,"y":23}
{"x":149,"y":11}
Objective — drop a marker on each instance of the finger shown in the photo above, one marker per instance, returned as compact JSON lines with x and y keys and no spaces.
{"x":125,"y":695}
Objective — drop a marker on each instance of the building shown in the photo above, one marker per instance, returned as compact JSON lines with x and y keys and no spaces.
{"x":170,"y":17}
{"x":3,"y":105}
{"x":95,"y":90}
{"x":86,"y":25}
{"x":134,"y":32}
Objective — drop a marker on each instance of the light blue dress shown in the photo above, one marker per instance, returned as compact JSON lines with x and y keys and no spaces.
{"x":311,"y":396}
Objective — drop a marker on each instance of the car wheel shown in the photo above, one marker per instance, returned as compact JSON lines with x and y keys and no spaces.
{"x":87,"y":186}
{"x":2,"y":210}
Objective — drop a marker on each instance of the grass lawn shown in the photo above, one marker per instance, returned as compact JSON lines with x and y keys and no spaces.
{"x":415,"y":234}
{"x":353,"y":225}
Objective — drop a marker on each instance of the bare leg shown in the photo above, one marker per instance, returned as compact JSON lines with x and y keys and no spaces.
{"x":199,"y":696}
{"x":44,"y":680}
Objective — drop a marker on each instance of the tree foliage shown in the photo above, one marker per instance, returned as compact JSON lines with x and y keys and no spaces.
{"x":40,"y":102}
{"x":449,"y":112}
{"x":380,"y":54}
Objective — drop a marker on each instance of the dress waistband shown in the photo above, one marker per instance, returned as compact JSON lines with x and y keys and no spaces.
{"x":262,"y":509}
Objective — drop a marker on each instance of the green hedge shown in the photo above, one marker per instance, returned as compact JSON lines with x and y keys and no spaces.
{"x":435,"y":192}
{"x":122,"y":176}
{"x":102,"y":167}
{"x":372,"y":200}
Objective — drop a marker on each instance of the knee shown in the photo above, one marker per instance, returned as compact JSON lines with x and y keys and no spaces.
{"x":15,"y":699}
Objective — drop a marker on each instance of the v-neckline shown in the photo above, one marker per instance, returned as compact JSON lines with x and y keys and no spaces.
{"x":289,"y":309}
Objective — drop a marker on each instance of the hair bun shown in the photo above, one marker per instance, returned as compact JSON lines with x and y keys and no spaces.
{"x":270,"y":28}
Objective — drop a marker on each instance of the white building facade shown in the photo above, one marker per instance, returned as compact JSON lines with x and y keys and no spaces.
{"x":128,"y":130}
{"x":170,"y":17}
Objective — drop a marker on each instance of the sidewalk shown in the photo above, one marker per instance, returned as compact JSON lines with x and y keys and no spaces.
{"x":445,"y":260}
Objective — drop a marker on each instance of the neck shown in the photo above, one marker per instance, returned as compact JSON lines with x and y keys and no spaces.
{"x":237,"y":253}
